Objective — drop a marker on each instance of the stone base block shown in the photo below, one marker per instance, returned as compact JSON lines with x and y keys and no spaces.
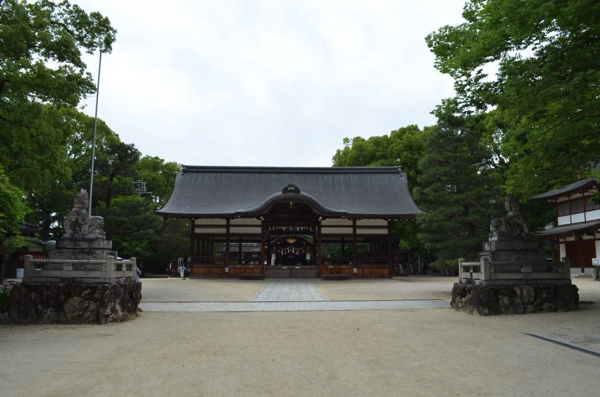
{"x":510,"y":244}
{"x":74,"y":303}
{"x":522,"y":299}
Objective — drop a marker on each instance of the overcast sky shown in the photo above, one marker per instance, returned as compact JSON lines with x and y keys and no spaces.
{"x":274,"y":83}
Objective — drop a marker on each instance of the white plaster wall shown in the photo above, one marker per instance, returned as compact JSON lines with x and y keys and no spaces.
{"x":245,"y":230}
{"x":210,"y":221}
{"x":245,"y":221}
{"x":372,"y":231}
{"x":564,"y":220}
{"x":575,"y":218}
{"x":336,"y":222}
{"x":210,"y":230}
{"x":593,"y":215}
{"x":372,"y":222}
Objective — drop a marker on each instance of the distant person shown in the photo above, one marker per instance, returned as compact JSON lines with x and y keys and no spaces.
{"x":181,"y":269}
{"x":170,"y":270}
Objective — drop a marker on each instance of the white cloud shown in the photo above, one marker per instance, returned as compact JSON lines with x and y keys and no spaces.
{"x":267,"y":82}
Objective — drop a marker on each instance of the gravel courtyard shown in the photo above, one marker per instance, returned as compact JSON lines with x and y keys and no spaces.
{"x":408,"y":352}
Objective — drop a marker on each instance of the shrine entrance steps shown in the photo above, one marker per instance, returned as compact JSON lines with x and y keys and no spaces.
{"x":291,"y":271}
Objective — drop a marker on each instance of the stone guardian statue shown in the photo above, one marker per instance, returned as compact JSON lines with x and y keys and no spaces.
{"x":79,"y":223}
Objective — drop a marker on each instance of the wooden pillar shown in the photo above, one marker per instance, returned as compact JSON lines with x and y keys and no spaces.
{"x":192,"y":238}
{"x":319,"y":244}
{"x":354,"y":254}
{"x":240,"y":252}
{"x":198,"y":248}
{"x":262,"y":244}
{"x":227,"y":242}
{"x":553,"y":251}
{"x":389,"y":245}
{"x":580,"y":244}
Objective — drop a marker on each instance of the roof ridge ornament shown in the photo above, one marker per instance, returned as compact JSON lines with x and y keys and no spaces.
{"x":291,"y":188}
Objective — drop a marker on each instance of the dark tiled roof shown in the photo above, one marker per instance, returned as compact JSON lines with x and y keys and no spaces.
{"x":569,"y":229}
{"x":250,"y":191}
{"x":581,"y":185}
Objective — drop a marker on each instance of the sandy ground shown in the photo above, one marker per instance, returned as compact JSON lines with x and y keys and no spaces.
{"x":366,"y":353}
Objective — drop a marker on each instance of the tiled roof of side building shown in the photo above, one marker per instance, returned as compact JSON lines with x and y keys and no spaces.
{"x":579,"y":186}
{"x":204,"y":191}
{"x":567,"y":230}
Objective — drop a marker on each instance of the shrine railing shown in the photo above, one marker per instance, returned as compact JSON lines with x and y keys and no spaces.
{"x":486,"y":272}
{"x":78,"y":270}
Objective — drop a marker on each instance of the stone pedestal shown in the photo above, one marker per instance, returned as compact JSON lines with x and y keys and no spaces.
{"x":512,"y":276}
{"x":521,"y":299}
{"x":83,"y":248}
{"x":511,"y":249}
{"x":74,"y":303}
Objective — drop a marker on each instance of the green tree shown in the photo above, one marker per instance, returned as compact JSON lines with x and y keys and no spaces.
{"x":42,"y":80}
{"x":41,"y":72}
{"x":403,"y":148}
{"x":457,"y":189}
{"x":115,"y":171}
{"x":545,"y":92}
{"x":131,"y":216}
{"x":159,"y":176}
{"x":12,"y":209}
{"x":12,"y":213}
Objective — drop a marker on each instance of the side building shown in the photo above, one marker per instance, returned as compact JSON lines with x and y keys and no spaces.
{"x":306,"y":222}
{"x":577,"y":231}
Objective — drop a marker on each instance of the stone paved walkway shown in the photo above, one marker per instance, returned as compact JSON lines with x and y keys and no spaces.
{"x":294,"y":295}
{"x":291,"y":306}
{"x":286,"y":291}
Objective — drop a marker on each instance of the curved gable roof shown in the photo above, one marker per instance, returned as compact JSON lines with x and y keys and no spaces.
{"x":201,"y":191}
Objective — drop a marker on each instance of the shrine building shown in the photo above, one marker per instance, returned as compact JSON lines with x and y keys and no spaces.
{"x":577,"y":230}
{"x":290,"y":221}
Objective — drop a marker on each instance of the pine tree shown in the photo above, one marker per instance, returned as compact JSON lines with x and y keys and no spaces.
{"x":457,"y":192}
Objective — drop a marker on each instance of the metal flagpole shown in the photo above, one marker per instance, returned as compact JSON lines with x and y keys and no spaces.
{"x":94,"y":139}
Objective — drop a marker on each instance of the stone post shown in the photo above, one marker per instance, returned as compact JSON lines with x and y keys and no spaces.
{"x":110,"y":267}
{"x":29,"y":267}
{"x":460,"y":269}
{"x":565,"y":267}
{"x":485,"y":268}
{"x":133,"y":266}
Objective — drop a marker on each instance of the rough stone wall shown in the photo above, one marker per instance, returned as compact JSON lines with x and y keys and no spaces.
{"x":74,"y":303}
{"x":494,"y":300}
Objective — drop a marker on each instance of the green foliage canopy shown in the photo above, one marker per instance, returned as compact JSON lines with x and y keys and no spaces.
{"x":42,"y":73}
{"x":12,"y":210}
{"x":402,"y":148}
{"x":546,"y":91}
